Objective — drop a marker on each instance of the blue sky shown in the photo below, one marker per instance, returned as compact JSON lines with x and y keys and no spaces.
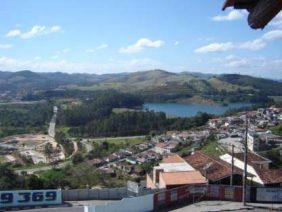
{"x":113,"y":36}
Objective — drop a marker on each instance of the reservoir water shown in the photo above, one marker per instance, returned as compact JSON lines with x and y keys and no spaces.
{"x":188,"y":110}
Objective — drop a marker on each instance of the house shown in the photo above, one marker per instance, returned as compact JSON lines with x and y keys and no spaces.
{"x":253,"y":141}
{"x":166,"y":147}
{"x":131,"y":160}
{"x":214,"y":169}
{"x":107,"y":170}
{"x":95,"y":162}
{"x":258,"y":167}
{"x":173,"y":171}
{"x":161,"y":148}
{"x":215,"y":123}
{"x":111,"y":158}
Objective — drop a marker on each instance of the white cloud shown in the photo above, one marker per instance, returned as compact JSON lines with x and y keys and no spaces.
{"x":55,"y":28}
{"x":231,"y":16}
{"x":6,"y":46}
{"x":36,"y":30}
{"x":273,"y":35}
{"x":90,"y":50}
{"x":215,"y":47}
{"x":40,"y":65}
{"x":277,"y":21}
{"x":65,"y":50}
{"x":176,"y":43}
{"x":141,"y":44}
{"x":100,"y":47}
{"x":13,"y":33}
{"x":253,"y":45}
{"x":54,"y":57}
{"x":37,"y":58}
{"x":257,"y":66}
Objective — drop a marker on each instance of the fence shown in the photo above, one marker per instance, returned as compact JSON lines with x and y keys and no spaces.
{"x":94,"y":194}
{"x":102,"y":194}
{"x":192,"y":194}
{"x":142,"y":203}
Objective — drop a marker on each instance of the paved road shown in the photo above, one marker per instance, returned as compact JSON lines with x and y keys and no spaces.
{"x":205,"y":206}
{"x":117,"y":138}
{"x":52,"y":125}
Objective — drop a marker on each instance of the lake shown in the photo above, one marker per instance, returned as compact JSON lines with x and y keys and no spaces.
{"x":188,"y":110}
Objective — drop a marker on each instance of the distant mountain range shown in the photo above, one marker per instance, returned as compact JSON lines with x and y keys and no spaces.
{"x":153,"y":82}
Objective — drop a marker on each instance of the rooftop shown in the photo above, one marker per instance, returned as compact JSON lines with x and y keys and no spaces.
{"x":183,"y":178}
{"x":217,"y":169}
{"x":173,"y":159}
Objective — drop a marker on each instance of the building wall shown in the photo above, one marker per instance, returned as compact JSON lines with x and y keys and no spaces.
{"x":149,"y":182}
{"x":142,"y":203}
{"x":161,"y":181}
{"x":94,"y":194}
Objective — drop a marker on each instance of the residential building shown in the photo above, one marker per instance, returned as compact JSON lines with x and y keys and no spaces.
{"x":214,"y":169}
{"x":173,"y":171}
{"x":257,"y":168}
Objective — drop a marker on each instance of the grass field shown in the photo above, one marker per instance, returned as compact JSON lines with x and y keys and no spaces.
{"x":213,"y":148}
{"x":2,"y":159}
{"x":123,"y":110}
{"x":121,"y":140}
{"x":277,"y":99}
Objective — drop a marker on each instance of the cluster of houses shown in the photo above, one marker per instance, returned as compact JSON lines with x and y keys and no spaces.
{"x":174,"y":170}
{"x":128,"y":161}
{"x":173,"y":141}
{"x":231,"y":130}
{"x":198,"y":168}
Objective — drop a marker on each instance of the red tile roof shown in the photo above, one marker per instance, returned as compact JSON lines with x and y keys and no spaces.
{"x":182,"y":178}
{"x":253,"y":159}
{"x":173,"y":159}
{"x":218,"y":169}
{"x":270,"y":176}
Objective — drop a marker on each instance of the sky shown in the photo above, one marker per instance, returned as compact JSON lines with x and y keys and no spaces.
{"x":112,"y":36}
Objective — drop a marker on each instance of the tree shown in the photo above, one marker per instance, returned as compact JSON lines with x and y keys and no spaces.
{"x":33,"y":182}
{"x":8,"y":178}
{"x":77,"y":158}
{"x":48,"y":151}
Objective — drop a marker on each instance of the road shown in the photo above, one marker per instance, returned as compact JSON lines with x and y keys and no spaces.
{"x":43,"y":168}
{"x":87,"y":145}
{"x":117,"y":138}
{"x":52,"y":125}
{"x":225,"y":206}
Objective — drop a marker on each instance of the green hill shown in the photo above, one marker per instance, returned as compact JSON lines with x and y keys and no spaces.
{"x":153,"y":85}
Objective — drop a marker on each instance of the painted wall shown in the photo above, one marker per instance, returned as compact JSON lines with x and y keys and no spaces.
{"x":136,"y":204}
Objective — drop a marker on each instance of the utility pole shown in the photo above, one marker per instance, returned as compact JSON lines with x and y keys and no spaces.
{"x":245,"y":162}
{"x":232,"y":166}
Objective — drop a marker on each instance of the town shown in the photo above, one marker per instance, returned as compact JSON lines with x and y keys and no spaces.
{"x":139,"y":106}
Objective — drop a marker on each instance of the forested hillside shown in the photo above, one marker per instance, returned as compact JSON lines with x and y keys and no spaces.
{"x":154,"y":85}
{"x":95,"y":118}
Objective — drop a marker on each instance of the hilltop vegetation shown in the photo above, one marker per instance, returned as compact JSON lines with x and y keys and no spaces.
{"x":95,"y":118}
{"x":18,"y":119}
{"x":154,"y":85}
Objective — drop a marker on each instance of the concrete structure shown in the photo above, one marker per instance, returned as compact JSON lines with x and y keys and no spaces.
{"x":258,"y":168}
{"x":174,"y":171}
